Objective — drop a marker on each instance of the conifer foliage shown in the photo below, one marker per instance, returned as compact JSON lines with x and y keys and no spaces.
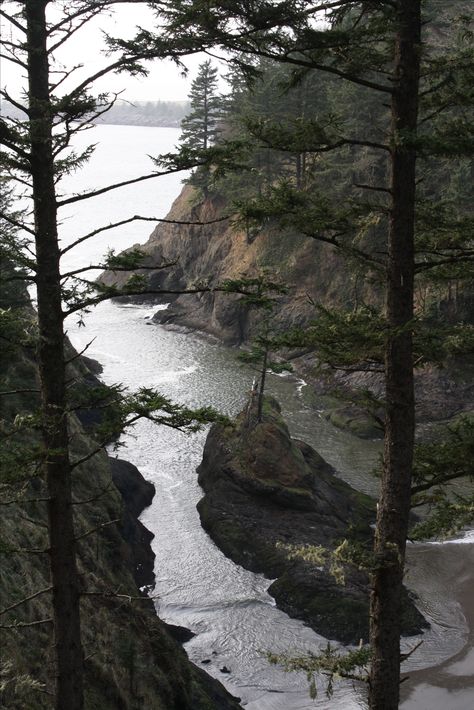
{"x":412,"y":61}
{"x":200,"y":127}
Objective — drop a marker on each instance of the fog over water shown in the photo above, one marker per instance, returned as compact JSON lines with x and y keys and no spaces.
{"x":229,"y":609}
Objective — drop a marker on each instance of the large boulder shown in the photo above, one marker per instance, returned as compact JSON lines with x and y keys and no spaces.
{"x":268,"y":496}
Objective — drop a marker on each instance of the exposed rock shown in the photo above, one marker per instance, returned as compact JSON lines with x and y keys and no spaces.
{"x":356,"y":420}
{"x":132,"y":660}
{"x":137,"y":494}
{"x":180,"y":633}
{"x":313,"y":272}
{"x":217,"y":252}
{"x":267,"y":493}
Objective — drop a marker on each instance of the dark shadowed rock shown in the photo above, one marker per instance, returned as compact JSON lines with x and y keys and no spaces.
{"x":137,"y":494}
{"x":180,"y":633}
{"x":267,"y":493}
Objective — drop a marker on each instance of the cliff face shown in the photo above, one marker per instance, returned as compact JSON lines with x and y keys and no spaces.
{"x":313,"y":272}
{"x":131,"y":661}
{"x":268,"y":496}
{"x":214,"y":253}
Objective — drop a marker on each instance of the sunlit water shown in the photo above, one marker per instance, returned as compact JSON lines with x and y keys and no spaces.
{"x":228,"y":608}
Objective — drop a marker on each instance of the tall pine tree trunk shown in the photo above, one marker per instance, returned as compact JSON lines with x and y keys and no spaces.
{"x":394,"y":503}
{"x":64,"y":576}
{"x":261,"y":389}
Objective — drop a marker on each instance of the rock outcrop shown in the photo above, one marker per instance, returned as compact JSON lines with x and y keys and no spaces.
{"x":268,"y":496}
{"x":137,"y":494}
{"x":132,"y":659}
{"x":313,"y":272}
{"x":217,"y":252}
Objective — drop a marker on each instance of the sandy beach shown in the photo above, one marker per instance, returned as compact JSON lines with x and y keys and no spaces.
{"x":447,"y":572}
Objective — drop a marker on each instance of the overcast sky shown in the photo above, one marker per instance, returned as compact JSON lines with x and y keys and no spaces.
{"x":164,"y":82}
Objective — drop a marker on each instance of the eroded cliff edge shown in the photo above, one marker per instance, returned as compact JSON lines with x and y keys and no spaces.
{"x":131,"y":659}
{"x":314,"y":273}
{"x":267,"y":495}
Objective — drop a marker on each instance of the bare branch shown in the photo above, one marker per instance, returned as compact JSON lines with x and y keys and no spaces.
{"x":374,"y":188}
{"x":94,"y":498}
{"x":437,"y":481}
{"x":15,"y":223}
{"x":13,"y":102}
{"x":18,"y":500}
{"x":68,"y":33}
{"x":14,"y":22}
{"x":404,"y":656}
{"x":26,"y":599}
{"x":11,"y":392}
{"x":13,"y":60}
{"x":87,"y":457}
{"x":464,"y":256}
{"x":66,"y":75}
{"x":79,"y":354}
{"x":96,"y":529}
{"x":94,"y":193}
{"x":143,"y":219}
{"x":113,"y":269}
{"x":23,"y":624}
{"x":115,"y":595}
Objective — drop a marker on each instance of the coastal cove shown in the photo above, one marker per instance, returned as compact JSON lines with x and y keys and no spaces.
{"x":228,"y":608}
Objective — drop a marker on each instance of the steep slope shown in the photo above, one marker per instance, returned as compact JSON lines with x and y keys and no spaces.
{"x":313,"y":273}
{"x":131,"y":661}
{"x":214,"y":253}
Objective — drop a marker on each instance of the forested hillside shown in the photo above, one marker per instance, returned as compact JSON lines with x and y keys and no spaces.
{"x":309,"y":220}
{"x":326,"y":224}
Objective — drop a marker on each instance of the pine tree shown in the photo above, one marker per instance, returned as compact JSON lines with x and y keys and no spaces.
{"x":381,"y":50}
{"x":200,"y":128}
{"x":35,"y":153}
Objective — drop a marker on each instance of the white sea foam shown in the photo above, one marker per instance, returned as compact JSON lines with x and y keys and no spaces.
{"x":467,"y":538}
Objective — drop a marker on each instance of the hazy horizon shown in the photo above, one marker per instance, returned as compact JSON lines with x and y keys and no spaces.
{"x":165,"y":81}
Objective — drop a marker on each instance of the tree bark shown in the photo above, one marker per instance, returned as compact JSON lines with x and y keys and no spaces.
{"x":64,"y":577}
{"x":261,"y":389}
{"x":394,"y":502}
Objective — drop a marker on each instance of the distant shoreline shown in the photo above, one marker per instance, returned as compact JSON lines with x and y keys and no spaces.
{"x":153,"y":114}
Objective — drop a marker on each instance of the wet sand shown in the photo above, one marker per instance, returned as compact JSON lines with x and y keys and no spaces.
{"x":448,"y":685}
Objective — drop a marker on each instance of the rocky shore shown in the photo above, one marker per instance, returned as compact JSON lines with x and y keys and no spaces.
{"x":267,"y":496}
{"x":313,"y":273}
{"x":137,"y":494}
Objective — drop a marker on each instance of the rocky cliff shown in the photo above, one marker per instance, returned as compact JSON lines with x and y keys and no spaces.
{"x":313,"y":273}
{"x":131,"y":660}
{"x":273,"y":505}
{"x":211,"y":254}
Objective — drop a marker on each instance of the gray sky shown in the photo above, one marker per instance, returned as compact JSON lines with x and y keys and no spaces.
{"x":164,"y":81}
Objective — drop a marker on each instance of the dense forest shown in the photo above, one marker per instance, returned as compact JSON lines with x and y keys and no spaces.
{"x":325,"y":228}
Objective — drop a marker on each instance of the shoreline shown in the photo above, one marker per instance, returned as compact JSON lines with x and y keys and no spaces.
{"x":449,"y":684}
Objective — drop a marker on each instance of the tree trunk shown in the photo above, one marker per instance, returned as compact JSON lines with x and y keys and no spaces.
{"x":394,"y":502}
{"x":261,"y":389}
{"x":64,"y":576}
